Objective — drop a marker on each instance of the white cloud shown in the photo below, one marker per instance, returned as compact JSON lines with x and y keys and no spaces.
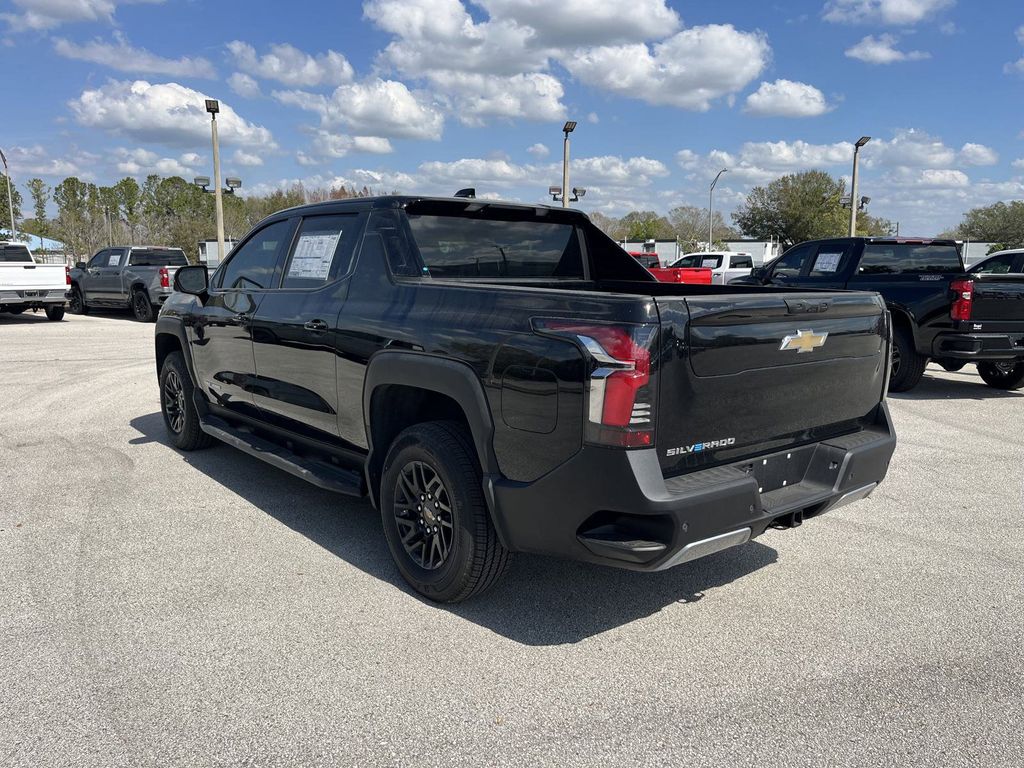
{"x":586,"y":22}
{"x":613,"y":171}
{"x":244,"y":86}
{"x":592,"y":118}
{"x":164,"y":113}
{"x":1018,"y":163}
{"x":927,"y":178}
{"x":143,"y":162}
{"x":328,"y":145}
{"x":385,"y":108}
{"x":122,"y":56}
{"x":374,"y":145}
{"x":785,"y":98}
{"x":978,"y":154}
{"x":530,"y":96}
{"x":911,"y":148}
{"x":36,"y":160}
{"x":691,"y":69}
{"x":1016,"y":67}
{"x":901,"y":12}
{"x":47,"y":14}
{"x":246,"y":159}
{"x":882,"y":50}
{"x":538,"y":150}
{"x":287,"y":64}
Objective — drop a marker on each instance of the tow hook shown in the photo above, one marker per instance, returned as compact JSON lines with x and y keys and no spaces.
{"x":792,"y":520}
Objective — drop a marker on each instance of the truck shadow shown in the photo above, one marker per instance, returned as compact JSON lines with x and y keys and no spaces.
{"x":25,"y":318}
{"x":540,"y":601}
{"x":965,"y":384}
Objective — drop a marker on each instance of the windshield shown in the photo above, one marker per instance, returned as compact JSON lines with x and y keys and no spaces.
{"x":461,"y":247}
{"x":15,"y":253}
{"x":158,"y":257}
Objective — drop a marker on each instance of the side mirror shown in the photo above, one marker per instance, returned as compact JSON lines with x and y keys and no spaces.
{"x":79,"y":265}
{"x":193,"y":279}
{"x":759,"y":273}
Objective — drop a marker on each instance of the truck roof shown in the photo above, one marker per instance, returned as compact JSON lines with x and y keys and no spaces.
{"x":469,"y":204}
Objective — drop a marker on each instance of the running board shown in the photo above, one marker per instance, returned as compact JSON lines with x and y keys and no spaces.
{"x":319,"y":473}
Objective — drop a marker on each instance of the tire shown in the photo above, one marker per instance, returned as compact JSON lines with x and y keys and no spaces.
{"x":76,"y":302}
{"x":437,"y":462}
{"x":55,"y":312}
{"x":952,"y":365}
{"x":142,"y":308}
{"x":1003,"y":375}
{"x":907,"y":365}
{"x":178,"y":407}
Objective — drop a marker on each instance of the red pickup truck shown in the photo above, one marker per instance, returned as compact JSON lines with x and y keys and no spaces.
{"x":690,"y":275}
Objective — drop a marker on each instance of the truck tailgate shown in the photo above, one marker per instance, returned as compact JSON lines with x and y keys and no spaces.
{"x":751,"y":373}
{"x":999,"y":302}
{"x":17,"y":276}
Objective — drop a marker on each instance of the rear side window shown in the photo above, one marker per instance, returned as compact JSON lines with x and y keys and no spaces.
{"x":322,"y":252}
{"x":460,"y":247}
{"x":711,"y":262}
{"x":15,"y":253}
{"x":252,"y":265}
{"x":742,"y":262}
{"x":902,"y":258}
{"x":157,"y":257}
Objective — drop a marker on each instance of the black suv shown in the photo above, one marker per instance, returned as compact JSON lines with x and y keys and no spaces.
{"x":501,"y":378}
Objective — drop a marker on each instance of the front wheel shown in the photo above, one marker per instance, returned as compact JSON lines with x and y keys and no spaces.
{"x":435,"y":519}
{"x":76,"y":302}
{"x":1003,"y":375}
{"x":177,"y":406}
{"x":55,"y":312}
{"x":142,"y":308}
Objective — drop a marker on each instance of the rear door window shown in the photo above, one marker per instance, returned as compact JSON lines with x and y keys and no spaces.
{"x":909,"y":258}
{"x":323,"y":250}
{"x":742,"y":262}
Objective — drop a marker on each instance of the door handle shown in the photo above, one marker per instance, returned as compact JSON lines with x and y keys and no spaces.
{"x":316,"y":326}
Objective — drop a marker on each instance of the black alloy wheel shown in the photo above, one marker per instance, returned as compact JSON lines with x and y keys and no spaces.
{"x":174,"y":402}
{"x":141,"y":307}
{"x":423,"y":514}
{"x":1004,"y":374}
{"x":76,"y":303}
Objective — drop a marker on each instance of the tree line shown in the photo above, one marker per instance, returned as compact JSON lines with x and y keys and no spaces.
{"x":170,"y":211}
{"x":165,"y":211}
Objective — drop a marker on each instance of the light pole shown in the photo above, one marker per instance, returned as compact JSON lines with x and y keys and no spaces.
{"x":711,"y":209}
{"x":853,"y":185}
{"x":10,"y":197}
{"x":213,"y":107}
{"x":568,"y":128}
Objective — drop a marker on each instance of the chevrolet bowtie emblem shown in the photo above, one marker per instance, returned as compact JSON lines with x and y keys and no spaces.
{"x":804,"y":341}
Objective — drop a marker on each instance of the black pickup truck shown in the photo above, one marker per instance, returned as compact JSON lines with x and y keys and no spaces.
{"x":501,"y":378}
{"x":940,"y":312}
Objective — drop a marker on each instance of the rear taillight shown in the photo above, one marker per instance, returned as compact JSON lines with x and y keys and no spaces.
{"x":620,"y":384}
{"x":67,"y":275}
{"x":165,"y":278}
{"x":963,"y":299}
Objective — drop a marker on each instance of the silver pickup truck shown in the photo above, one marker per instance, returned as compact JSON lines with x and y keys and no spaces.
{"x":139,"y":278}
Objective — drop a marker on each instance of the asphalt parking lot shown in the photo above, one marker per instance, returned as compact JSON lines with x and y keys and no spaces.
{"x":165,"y":609}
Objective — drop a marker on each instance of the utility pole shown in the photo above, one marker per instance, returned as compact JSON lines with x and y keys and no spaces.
{"x":10,"y":197}
{"x":213,"y":107}
{"x":568,"y":128}
{"x":711,"y":210}
{"x":853,"y":185}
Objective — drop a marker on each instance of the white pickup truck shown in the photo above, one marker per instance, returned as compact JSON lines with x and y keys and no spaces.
{"x":724,"y":265}
{"x":24,"y":284}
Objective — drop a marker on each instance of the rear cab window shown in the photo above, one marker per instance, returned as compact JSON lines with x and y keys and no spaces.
{"x":157,"y":257}
{"x":15,"y":253}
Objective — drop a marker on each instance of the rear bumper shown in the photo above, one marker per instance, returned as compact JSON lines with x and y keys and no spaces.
{"x":615,"y":508}
{"x":979,"y":346}
{"x":41,"y":297}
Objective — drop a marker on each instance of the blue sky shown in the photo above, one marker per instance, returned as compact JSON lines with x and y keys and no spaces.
{"x":427,"y":96}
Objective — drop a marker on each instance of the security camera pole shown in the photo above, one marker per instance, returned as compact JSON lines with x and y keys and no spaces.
{"x":711,"y":210}
{"x":568,"y":128}
{"x":10,"y":198}
{"x":213,"y":107}
{"x":853,"y":185}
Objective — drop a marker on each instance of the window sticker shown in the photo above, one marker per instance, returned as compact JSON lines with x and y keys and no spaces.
{"x":314,"y":254}
{"x":712,"y":262}
{"x":114,"y":259}
{"x":827,"y":262}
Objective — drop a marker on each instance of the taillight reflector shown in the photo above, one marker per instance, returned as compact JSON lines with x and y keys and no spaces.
{"x":165,"y":278}
{"x":67,"y":275}
{"x":963,"y":299}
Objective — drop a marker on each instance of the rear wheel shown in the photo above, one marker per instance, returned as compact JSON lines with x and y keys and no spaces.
{"x":55,"y":312}
{"x":142,"y":308}
{"x":907,"y":365}
{"x":1003,"y":375}
{"x":177,"y":406}
{"x":435,"y":519}
{"x":76,"y":302}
